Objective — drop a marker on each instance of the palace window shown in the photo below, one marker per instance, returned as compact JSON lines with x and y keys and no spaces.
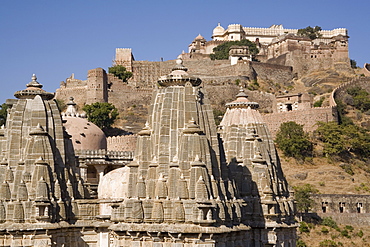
{"x":359,"y":207}
{"x":342,"y":207}
{"x":324,"y":206}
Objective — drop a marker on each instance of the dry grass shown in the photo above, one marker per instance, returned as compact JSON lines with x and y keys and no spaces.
{"x":328,"y":177}
{"x":317,"y":235}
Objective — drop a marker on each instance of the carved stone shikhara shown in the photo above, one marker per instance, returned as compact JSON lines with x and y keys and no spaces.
{"x":188,"y":183}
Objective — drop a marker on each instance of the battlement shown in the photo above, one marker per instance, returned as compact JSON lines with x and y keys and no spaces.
{"x":98,"y":72}
{"x":103,"y":154}
{"x":121,"y":143}
{"x":124,"y":54}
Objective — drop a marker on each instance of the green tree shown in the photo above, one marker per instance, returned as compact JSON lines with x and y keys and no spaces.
{"x":3,"y":114}
{"x":120,"y":72}
{"x":221,"y":52}
{"x":361,"y":99}
{"x":293,"y":141}
{"x":344,"y":139}
{"x":331,"y":134}
{"x":353,"y":64}
{"x":319,"y":102}
{"x":310,"y":32}
{"x":303,"y":198}
{"x":101,"y":114}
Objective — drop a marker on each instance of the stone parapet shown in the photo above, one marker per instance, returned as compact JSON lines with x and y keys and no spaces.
{"x":121,"y":143}
{"x":344,"y":209}
{"x":307,"y":117}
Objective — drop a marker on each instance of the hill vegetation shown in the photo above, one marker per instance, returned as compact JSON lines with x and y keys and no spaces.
{"x":222,"y":51}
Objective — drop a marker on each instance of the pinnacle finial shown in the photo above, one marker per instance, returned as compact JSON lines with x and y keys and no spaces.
{"x":71,"y":101}
{"x":34,"y":82}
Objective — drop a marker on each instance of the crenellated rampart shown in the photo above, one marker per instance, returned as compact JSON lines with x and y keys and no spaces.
{"x":104,"y":154}
{"x":121,"y":143}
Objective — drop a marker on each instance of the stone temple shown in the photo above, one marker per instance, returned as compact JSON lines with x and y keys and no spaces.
{"x":189,"y":183}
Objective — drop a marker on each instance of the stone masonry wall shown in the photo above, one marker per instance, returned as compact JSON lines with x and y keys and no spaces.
{"x":121,"y":143}
{"x":344,"y":209}
{"x":273,"y":72}
{"x":78,"y":93}
{"x":145,"y":72}
{"x":306,"y":117}
{"x":341,"y":90}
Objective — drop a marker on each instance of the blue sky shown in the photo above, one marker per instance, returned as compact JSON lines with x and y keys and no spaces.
{"x":54,"y":39}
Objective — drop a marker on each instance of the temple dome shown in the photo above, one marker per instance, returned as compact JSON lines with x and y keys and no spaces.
{"x":218,"y":30}
{"x":241,"y":112}
{"x":199,"y":37}
{"x":85,"y":135}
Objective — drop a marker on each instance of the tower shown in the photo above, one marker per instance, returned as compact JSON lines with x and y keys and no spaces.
{"x":182,"y":188}
{"x":39,"y":180}
{"x":97,"y":86}
{"x":255,"y":166}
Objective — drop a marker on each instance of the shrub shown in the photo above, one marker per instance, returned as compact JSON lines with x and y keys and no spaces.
{"x":324,"y":230}
{"x":361,"y":99}
{"x":345,"y":233}
{"x":347,"y":168}
{"x":349,"y":228}
{"x":222,"y":51}
{"x":328,"y":221}
{"x":319,"y":103}
{"x":303,"y":227}
{"x":301,"y":243}
{"x":328,"y":243}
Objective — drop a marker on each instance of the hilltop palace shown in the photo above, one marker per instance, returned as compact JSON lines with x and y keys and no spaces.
{"x":188,"y":183}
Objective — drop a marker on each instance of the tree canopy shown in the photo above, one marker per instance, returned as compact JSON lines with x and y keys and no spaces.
{"x":343,"y":139}
{"x":293,"y":141}
{"x":310,"y":32}
{"x":121,"y":72}
{"x":3,"y":114}
{"x":222,"y":51}
{"x":101,"y":114}
{"x":303,"y":198}
{"x":361,"y":99}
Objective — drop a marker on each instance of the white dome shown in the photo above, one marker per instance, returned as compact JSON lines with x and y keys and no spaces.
{"x":218,"y":30}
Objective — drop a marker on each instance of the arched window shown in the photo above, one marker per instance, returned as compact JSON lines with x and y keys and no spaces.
{"x":91,"y":172}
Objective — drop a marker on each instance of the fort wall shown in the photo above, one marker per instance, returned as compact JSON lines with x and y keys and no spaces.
{"x":122,"y":143}
{"x":307,"y":117}
{"x":145,"y":73}
{"x":344,"y":209}
{"x":78,"y":93}
{"x":341,"y":90}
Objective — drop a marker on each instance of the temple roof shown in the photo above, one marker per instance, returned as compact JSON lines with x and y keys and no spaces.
{"x":33,"y":88}
{"x":178,"y":76}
